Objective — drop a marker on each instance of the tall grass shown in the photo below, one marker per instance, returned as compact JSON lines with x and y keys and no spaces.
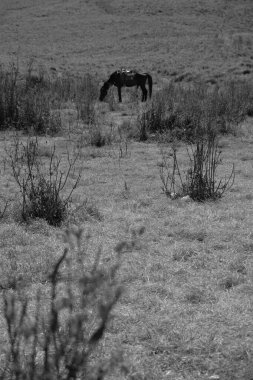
{"x":28,"y":101}
{"x":186,"y":112}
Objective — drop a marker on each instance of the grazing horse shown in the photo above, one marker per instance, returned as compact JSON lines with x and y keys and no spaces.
{"x":127,"y":78}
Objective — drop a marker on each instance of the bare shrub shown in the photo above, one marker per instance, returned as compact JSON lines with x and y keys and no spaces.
{"x":41,"y":186}
{"x":55,"y":333}
{"x":200,"y":181}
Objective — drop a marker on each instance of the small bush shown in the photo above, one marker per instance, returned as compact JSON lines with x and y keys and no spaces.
{"x":98,"y":136}
{"x":41,"y":187}
{"x":43,"y":201}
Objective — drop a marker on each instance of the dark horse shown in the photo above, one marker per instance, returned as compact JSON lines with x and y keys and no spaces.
{"x":121,"y":78}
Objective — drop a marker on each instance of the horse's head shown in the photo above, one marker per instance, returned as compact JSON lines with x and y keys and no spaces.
{"x":103,"y":91}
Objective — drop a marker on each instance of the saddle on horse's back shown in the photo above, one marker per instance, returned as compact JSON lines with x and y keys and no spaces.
{"x":127,"y":72}
{"x":127,"y":75}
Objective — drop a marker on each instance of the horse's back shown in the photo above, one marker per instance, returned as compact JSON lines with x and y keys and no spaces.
{"x":128,"y":78}
{"x":124,"y":77}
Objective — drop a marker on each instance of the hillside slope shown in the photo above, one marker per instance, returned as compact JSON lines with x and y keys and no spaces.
{"x":168,"y":37}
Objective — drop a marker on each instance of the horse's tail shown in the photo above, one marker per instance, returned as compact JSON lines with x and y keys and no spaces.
{"x":150,"y":84}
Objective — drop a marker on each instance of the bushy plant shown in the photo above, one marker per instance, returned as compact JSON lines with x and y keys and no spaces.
{"x":200,"y":181}
{"x":96,"y":137}
{"x":41,"y":186}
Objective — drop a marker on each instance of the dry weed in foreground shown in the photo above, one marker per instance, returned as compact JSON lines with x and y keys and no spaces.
{"x":55,"y":333}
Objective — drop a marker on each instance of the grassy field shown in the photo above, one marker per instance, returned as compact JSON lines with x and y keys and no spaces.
{"x":186,"y":309}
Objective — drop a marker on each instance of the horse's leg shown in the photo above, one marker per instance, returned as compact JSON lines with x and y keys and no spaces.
{"x":119,"y":93}
{"x":144,"y":93}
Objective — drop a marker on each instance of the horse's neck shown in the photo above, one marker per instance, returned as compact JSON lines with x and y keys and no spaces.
{"x":109,"y":82}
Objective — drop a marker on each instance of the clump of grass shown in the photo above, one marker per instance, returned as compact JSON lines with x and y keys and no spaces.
{"x":55,"y":333}
{"x":195,"y":296}
{"x":41,"y":187}
{"x":231,"y":280}
{"x":182,"y":254}
{"x":87,"y":210}
{"x":99,"y":136}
